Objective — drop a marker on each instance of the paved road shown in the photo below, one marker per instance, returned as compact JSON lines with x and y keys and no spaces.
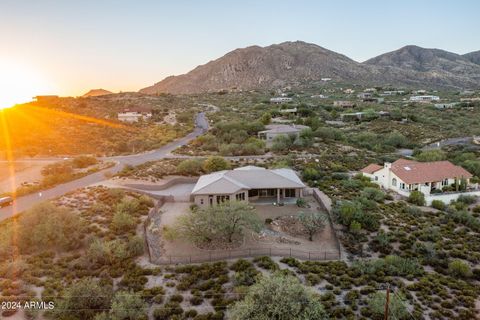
{"x":25,"y":202}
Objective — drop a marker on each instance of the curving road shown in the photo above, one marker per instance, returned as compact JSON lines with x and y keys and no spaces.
{"x":25,"y":202}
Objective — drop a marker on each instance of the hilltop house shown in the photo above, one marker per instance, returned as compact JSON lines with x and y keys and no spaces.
{"x":249,"y":184}
{"x":431,"y":178}
{"x":275,"y":130}
{"x":134,"y":114}
{"x":424,"y":98}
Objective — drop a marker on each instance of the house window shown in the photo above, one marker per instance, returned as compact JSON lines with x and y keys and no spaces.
{"x":201,"y":201}
{"x":376,"y":178}
{"x":221,"y":199}
{"x":402,"y":185}
{"x":394,"y":182}
{"x":240,"y":196}
{"x":289,"y":193}
{"x":445,"y":182}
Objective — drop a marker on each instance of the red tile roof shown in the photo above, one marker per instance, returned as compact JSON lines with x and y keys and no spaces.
{"x":371,"y":168}
{"x":410,"y":171}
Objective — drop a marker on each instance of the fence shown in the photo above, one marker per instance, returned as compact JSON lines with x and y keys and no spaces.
{"x":326,"y":203}
{"x":216,"y":255}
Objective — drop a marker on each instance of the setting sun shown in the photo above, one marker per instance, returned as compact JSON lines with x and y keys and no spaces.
{"x":20,"y":83}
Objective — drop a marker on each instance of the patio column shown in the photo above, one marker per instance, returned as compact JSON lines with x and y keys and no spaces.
{"x":278,"y":195}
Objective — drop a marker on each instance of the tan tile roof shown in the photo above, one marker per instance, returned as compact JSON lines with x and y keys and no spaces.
{"x":371,"y":168}
{"x":245,"y":178}
{"x":410,"y":171}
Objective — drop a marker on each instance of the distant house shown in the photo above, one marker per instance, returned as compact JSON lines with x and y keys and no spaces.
{"x":392,"y":92}
{"x":360,"y":115}
{"x":134,"y":114}
{"x":420,"y":91}
{"x":326,"y":79}
{"x":289,"y":111}
{"x":348,"y":91}
{"x":275,"y":130}
{"x":445,"y":105}
{"x":319,"y":96}
{"x":250,"y":184}
{"x":424,"y":98}
{"x":278,"y":100}
{"x":404,"y":176}
{"x":343,"y":104}
{"x":365,"y":95}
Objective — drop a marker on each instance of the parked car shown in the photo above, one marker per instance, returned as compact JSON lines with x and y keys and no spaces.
{"x":6,"y":201}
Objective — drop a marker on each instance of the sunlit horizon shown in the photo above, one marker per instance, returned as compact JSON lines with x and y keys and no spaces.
{"x":20,"y":82}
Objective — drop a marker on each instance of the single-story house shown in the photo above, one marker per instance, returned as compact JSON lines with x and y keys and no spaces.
{"x":278,"y":100}
{"x":445,"y":105}
{"x":404,"y":176}
{"x":424,"y":98}
{"x":365,"y":95}
{"x":134,"y":114}
{"x":275,"y":130}
{"x":249,"y":184}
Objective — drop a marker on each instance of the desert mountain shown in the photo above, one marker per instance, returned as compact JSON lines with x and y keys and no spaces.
{"x":96,"y":93}
{"x":473,"y":56}
{"x":297,"y":63}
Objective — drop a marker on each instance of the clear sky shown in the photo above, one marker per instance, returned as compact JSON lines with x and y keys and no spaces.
{"x":77,"y":45}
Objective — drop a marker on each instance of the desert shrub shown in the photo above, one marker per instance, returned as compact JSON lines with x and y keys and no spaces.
{"x":84,"y":161}
{"x":278,"y":297}
{"x":190,"y":167}
{"x":467,"y":199}
{"x":459,"y":268}
{"x":246,"y":277}
{"x":301,"y":202}
{"x":266,"y":263}
{"x":416,"y":198}
{"x":241,"y":265}
{"x":167,"y":311}
{"x":215,"y":163}
{"x":373,"y":194}
{"x":83,"y":300}
{"x":46,"y":226}
{"x":431,"y":155}
{"x":438,"y":204}
{"x":128,"y":306}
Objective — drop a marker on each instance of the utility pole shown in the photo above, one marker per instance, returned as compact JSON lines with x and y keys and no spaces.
{"x":387,"y":302}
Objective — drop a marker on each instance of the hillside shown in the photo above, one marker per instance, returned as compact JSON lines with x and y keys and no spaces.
{"x":438,"y":67}
{"x":473,"y":57}
{"x":68,"y":126}
{"x":96,"y":93}
{"x":296,"y":63}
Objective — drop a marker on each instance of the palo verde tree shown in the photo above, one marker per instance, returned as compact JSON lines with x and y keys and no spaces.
{"x":279,"y":297}
{"x":223,"y":221}
{"x":313,"y":222}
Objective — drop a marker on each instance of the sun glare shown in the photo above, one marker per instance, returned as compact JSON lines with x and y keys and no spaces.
{"x":19,"y":83}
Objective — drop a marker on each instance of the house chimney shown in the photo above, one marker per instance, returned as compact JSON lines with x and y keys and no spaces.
{"x":387,"y":165}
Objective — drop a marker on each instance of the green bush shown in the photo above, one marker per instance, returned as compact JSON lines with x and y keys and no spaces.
{"x":190,"y":167}
{"x":438,"y":204}
{"x":459,"y":268}
{"x":416,"y":198}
